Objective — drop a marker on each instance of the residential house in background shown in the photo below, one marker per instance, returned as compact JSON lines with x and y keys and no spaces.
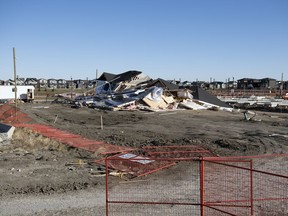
{"x":285,"y":85}
{"x":201,"y":84}
{"x":268,"y":83}
{"x":217,"y":85}
{"x":61,"y":83}
{"x":185,"y":84}
{"x":70,"y":84}
{"x":42,"y":83}
{"x":20,"y":81}
{"x":248,"y":83}
{"x":176,"y":82}
{"x":231,"y":85}
{"x":52,"y":83}
{"x":9,"y":82}
{"x":90,"y":84}
{"x":80,"y":83}
{"x":132,"y":78}
{"x":31,"y":81}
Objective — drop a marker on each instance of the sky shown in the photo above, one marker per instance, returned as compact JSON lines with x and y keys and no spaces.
{"x":189,"y":40}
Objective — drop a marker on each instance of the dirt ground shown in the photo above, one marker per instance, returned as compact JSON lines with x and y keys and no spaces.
{"x":32,"y":165}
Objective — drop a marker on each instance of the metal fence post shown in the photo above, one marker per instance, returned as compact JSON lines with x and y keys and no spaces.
{"x":251,"y":188}
{"x":107,"y":175}
{"x":202,"y":185}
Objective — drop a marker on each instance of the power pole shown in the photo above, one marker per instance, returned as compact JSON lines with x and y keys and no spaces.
{"x":15,"y":80}
{"x":281,"y":85}
{"x":71,"y":87}
{"x":96,"y":81}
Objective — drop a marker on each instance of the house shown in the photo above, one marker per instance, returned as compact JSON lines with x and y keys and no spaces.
{"x":9,"y":82}
{"x":90,"y":84}
{"x":176,"y":82}
{"x":52,"y":83}
{"x":20,"y":81}
{"x":231,"y":84}
{"x":80,"y":83}
{"x":61,"y":83}
{"x":248,"y":83}
{"x":285,"y":86}
{"x":268,"y":83}
{"x":31,"y":81}
{"x":217,"y":85}
{"x":42,"y":83}
{"x":186,"y":83}
{"x":70,"y":84}
{"x":202,"y":84}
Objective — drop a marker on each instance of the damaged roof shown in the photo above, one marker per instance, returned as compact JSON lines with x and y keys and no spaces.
{"x":107,"y":77}
{"x":113,"y":78}
{"x":164,"y":84}
{"x":202,"y":95}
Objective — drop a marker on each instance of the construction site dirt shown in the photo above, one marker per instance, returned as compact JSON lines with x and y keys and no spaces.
{"x":43,"y":172}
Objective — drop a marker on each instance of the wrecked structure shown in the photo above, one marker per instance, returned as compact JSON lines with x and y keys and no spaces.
{"x":134,"y":90}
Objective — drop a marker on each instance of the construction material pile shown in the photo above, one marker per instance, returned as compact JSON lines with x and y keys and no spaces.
{"x":132,"y":90}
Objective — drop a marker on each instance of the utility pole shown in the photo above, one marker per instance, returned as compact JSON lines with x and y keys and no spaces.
{"x":96,"y":81}
{"x":281,"y":85}
{"x":71,"y":88}
{"x":15,"y":80}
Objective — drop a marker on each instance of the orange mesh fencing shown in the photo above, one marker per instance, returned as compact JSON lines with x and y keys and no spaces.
{"x":11,"y":114}
{"x":74,"y":140}
{"x":180,"y":152}
{"x":211,"y":186}
{"x":252,"y":185}
{"x":165,"y":192}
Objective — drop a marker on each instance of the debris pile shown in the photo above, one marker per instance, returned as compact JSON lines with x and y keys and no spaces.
{"x":133,"y":90}
{"x":259,"y":103}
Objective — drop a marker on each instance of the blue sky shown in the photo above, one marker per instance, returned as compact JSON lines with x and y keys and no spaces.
{"x":169,"y":39}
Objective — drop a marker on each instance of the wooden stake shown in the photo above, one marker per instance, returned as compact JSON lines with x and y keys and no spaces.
{"x":101,"y":122}
{"x":55,"y":119}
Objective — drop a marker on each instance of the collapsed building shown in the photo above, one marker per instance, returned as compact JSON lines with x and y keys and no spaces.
{"x":134,"y":90}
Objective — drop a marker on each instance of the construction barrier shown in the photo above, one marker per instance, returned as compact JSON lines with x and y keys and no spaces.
{"x":75,"y":140}
{"x":12,"y":114}
{"x":160,"y":193}
{"x":211,"y":186}
{"x":252,"y":185}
